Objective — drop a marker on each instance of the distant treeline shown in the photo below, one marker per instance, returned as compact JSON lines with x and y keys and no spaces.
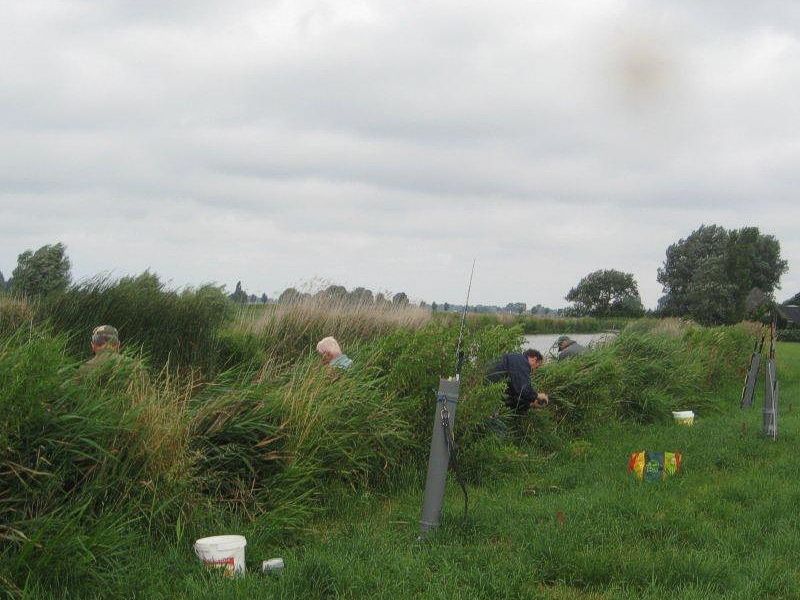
{"x":714,"y":276}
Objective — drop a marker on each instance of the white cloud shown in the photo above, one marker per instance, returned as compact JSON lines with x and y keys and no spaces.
{"x":385,"y":144}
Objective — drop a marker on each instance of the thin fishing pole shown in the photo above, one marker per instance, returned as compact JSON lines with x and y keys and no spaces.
{"x":459,"y":359}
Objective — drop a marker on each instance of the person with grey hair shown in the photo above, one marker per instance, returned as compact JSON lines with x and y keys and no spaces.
{"x":332,"y":355}
{"x":105,"y":338}
{"x":568,"y":348}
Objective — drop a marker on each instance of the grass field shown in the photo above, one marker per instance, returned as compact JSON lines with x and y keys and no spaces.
{"x":570,"y":524}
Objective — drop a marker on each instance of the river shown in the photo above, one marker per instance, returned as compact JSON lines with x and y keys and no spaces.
{"x":543,"y":342}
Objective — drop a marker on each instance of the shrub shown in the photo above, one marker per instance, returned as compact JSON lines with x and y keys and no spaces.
{"x":789,"y":335}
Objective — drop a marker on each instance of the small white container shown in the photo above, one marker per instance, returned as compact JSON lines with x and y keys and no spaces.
{"x":683,"y":417}
{"x":222,"y":552}
{"x":273,"y":566}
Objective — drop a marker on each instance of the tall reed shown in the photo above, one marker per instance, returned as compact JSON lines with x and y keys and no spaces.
{"x":650,"y":369}
{"x":179,"y":328}
{"x":14,"y":312}
{"x":291,"y":329}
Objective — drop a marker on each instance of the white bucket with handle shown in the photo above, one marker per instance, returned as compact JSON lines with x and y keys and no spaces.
{"x":683,"y":417}
{"x":222,"y":552}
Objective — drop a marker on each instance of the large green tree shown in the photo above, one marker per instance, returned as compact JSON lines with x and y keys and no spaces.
{"x":607,"y":292}
{"x":719,"y":276}
{"x":42,"y":272}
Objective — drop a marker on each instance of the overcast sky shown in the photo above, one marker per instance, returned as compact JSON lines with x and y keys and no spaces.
{"x":385,"y":144}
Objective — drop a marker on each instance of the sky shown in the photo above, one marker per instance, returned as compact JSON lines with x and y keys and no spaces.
{"x":387,"y":144}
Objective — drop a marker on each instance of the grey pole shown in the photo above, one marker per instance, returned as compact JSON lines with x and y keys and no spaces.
{"x":749,"y":390}
{"x":439,"y":459}
{"x":771,"y":390}
{"x":770,"y":404}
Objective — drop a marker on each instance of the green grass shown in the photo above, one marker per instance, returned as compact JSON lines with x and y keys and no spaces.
{"x":570,"y":524}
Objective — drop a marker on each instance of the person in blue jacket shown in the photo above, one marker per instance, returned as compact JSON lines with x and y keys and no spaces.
{"x":516,"y":370}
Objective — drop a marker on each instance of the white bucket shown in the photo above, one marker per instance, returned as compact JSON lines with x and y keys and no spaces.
{"x":223,"y":552}
{"x":683,"y":417}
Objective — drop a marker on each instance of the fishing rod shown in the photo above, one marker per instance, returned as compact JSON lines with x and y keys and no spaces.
{"x":459,"y":351}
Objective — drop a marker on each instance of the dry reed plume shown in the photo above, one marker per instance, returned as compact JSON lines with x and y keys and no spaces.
{"x":310,"y":319}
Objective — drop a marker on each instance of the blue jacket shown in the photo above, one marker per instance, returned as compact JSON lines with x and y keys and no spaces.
{"x":516,"y":371}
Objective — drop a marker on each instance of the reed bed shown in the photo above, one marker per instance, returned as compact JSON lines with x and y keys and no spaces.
{"x":650,"y":369}
{"x":290,"y":329}
{"x":14,"y":312}
{"x":532,"y":324}
{"x":177,"y":328}
{"x":261,"y":434}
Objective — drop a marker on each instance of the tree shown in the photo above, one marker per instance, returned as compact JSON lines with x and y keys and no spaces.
{"x":3,"y":283}
{"x":289,"y":296}
{"x":516,"y":308}
{"x":264,"y":298}
{"x":434,"y":307}
{"x":542,"y":310}
{"x":42,"y":272}
{"x":605,"y":293}
{"x":400,"y":299}
{"x":711,"y":275}
{"x":794,"y":300}
{"x":332,"y":293}
{"x":362,"y":297}
{"x":758,"y":305}
{"x":446,"y":307}
{"x":239,"y":295}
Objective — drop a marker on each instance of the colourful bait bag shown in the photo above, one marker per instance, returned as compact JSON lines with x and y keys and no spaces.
{"x":654,"y":466}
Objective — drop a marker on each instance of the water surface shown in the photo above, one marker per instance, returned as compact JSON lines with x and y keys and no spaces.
{"x":544,"y":341}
